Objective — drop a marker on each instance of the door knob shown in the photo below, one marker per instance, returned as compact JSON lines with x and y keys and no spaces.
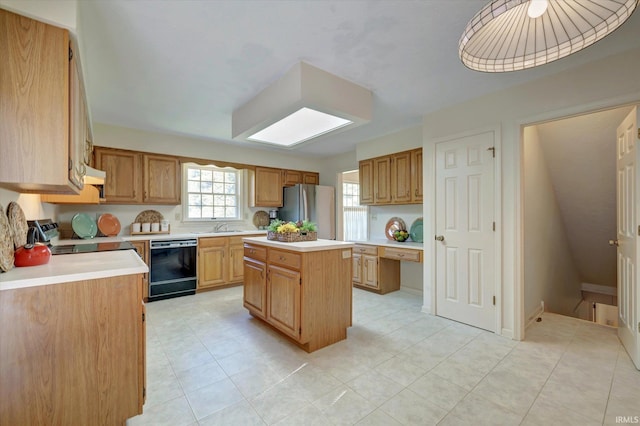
{"x":613,"y":243}
{"x":439,"y":237}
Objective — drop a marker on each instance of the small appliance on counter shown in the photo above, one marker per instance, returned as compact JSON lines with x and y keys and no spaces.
{"x":32,"y":253}
{"x":46,"y":229}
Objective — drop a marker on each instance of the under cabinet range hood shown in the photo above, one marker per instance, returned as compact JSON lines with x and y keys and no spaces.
{"x":94,"y":176}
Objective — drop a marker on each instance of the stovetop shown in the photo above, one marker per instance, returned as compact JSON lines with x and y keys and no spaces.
{"x":92,"y":247}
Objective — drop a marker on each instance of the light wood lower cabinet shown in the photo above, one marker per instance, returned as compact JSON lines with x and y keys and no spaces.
{"x":220,"y":261}
{"x":142,"y":247}
{"x":72,"y":353}
{"x":305,"y":295}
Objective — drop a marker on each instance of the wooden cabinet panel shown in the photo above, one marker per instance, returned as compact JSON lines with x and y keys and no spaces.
{"x":255,"y":287}
{"x":283,"y":300}
{"x":370,"y":270}
{"x":366,"y":181}
{"x":416,"y":176}
{"x":212,"y":266}
{"x":73,"y":354}
{"x":382,"y":180}
{"x":357,"y":268}
{"x":161,"y":177}
{"x":77,"y":124}
{"x":401,"y":178}
{"x":123,"y":168}
{"x":35,"y":112}
{"x":255,"y":252}
{"x":284,"y":258}
{"x":142,"y":247}
{"x":311,"y":178}
{"x":267,"y":187}
{"x":401,"y":254}
{"x":292,"y":177}
{"x":236,"y":267}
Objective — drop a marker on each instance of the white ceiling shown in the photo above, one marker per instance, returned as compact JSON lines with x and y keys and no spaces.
{"x":182,"y":67}
{"x":580,"y":153}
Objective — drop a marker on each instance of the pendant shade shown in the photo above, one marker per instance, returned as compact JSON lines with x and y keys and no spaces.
{"x":504,"y":37}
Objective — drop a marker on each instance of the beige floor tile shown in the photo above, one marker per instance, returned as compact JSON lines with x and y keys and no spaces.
{"x":200,"y":376}
{"x":546,"y":411}
{"x":439,"y":391}
{"x":584,"y":400}
{"x":211,"y":398}
{"x":475,"y":410}
{"x":409,"y":408}
{"x":509,"y":390}
{"x":237,"y":414}
{"x":375,"y":387}
{"x":307,"y":416}
{"x":343,"y":406}
{"x":278,"y":402}
{"x":175,"y":412}
{"x":378,"y":418}
{"x":400,"y":370}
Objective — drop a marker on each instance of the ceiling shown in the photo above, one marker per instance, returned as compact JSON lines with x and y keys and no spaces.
{"x":182,"y":67}
{"x":580,"y":154}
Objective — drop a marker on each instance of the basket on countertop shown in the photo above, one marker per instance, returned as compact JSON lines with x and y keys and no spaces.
{"x":292,"y":237}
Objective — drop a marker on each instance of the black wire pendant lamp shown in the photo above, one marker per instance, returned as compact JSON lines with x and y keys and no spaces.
{"x":511,"y":35}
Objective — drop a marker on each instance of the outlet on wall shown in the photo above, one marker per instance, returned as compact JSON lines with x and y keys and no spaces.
{"x":542,"y":305}
{"x":177,"y":216}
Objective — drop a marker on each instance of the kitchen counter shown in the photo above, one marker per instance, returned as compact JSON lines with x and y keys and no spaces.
{"x":74,"y":267}
{"x":383,"y":242}
{"x":186,"y":234}
{"x":302,"y":246}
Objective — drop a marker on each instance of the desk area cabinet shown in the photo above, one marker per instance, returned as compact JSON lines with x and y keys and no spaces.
{"x":377,"y":268}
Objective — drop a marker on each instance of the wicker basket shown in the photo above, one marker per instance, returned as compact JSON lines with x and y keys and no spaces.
{"x":292,"y":237}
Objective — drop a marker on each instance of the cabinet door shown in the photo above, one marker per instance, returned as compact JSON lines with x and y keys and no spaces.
{"x":236,"y":266}
{"x":311,"y":178}
{"x":357,"y":268}
{"x":401,"y":178}
{"x":370,"y":271}
{"x":211,"y":266}
{"x":416,"y":175}
{"x":366,"y":181}
{"x":161,"y":176}
{"x":292,"y":177}
{"x":142,"y":247}
{"x":382,"y":180}
{"x":255,"y":287}
{"x":267,"y":187}
{"x":77,"y":124}
{"x":124,"y":180}
{"x":283,"y":300}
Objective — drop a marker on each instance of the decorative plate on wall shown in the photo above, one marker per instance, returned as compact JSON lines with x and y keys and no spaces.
{"x":109,"y":225}
{"x":260,"y":218}
{"x":84,"y":225}
{"x":149,"y":216}
{"x":394,"y":224}
{"x":416,"y":231}
{"x":6,"y":243}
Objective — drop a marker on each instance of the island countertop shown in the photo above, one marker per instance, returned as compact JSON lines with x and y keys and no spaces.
{"x":302,"y":246}
{"x":74,"y":267}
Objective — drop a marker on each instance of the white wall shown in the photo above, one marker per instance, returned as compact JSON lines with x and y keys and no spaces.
{"x":550,"y":274}
{"x":403,"y":140}
{"x":605,"y":83}
{"x":56,"y":12}
{"x":30,"y":204}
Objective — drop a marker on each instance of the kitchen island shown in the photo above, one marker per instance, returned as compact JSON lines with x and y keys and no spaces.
{"x":303,"y":289}
{"x":72,"y":340}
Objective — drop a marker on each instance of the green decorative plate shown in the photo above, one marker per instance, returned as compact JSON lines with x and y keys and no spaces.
{"x":416,"y":231}
{"x":84,"y":225}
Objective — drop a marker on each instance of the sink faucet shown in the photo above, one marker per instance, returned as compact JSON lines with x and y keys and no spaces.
{"x":218,"y":227}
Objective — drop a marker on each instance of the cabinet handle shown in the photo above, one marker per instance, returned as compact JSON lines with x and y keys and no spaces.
{"x":408,"y":193}
{"x":283,"y":258}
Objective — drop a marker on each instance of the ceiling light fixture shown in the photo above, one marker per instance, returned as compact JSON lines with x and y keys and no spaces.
{"x":511,"y":35}
{"x":305,"y":103}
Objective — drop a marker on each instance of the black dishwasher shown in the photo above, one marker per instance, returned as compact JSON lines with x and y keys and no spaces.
{"x":172,"y":268}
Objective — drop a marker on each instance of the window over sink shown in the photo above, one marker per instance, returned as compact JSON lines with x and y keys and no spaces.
{"x":212,"y":193}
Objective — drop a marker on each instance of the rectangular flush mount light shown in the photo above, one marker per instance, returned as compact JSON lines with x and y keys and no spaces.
{"x":302,"y":125}
{"x":305,"y":103}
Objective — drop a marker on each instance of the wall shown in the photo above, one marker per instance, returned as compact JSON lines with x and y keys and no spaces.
{"x":601,"y":84}
{"x":403,"y":140}
{"x":55,"y":12}
{"x":30,"y":203}
{"x":550,"y":274}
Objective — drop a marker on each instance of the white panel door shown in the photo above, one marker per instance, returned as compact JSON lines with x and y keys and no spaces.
{"x":628,"y":219}
{"x":465,"y":249}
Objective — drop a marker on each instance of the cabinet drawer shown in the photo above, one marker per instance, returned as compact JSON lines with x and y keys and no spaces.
{"x":255,"y":252}
{"x":285,"y":258}
{"x":212,"y":242}
{"x":373,"y":250}
{"x":402,"y":254}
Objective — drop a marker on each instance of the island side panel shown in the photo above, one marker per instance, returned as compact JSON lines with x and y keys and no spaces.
{"x":326,"y":297}
{"x":70,"y":352}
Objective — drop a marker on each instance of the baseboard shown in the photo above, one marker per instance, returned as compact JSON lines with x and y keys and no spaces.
{"x":508,"y":333}
{"x":413,"y":291}
{"x":426,"y":309}
{"x":601,"y":289}
{"x":532,"y":318}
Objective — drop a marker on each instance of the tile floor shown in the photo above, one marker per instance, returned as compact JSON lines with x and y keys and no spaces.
{"x":210,"y":363}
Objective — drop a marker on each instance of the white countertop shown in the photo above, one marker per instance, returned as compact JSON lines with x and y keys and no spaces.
{"x":186,"y":234}
{"x":302,"y":246}
{"x":412,"y":245}
{"x":74,"y":267}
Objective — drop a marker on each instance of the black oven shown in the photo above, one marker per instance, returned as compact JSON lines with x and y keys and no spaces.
{"x":172,"y":268}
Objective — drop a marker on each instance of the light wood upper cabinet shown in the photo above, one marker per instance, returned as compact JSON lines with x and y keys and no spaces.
{"x":139,"y":178}
{"x":392,"y":179}
{"x":416,"y":176}
{"x":292,"y":177}
{"x":123,"y":184}
{"x":311,"y":178}
{"x":382,"y":180}
{"x":161,"y":177}
{"x":40,"y":92}
{"x":77,"y":123}
{"x":401,"y":177}
{"x":366,"y":181}
{"x":266,"y":187}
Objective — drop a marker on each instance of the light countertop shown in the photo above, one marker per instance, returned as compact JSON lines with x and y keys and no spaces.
{"x":412,"y":245}
{"x":74,"y":267}
{"x":302,"y":246}
{"x":186,"y":234}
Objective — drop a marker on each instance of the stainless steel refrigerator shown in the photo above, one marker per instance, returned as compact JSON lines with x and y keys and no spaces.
{"x":311,"y":202}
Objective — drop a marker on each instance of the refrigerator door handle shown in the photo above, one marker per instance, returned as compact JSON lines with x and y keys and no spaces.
{"x":305,"y":204}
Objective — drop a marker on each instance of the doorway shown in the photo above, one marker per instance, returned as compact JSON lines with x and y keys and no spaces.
{"x":569,"y":214}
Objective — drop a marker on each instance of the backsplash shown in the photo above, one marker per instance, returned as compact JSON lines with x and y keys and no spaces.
{"x":380,"y":215}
